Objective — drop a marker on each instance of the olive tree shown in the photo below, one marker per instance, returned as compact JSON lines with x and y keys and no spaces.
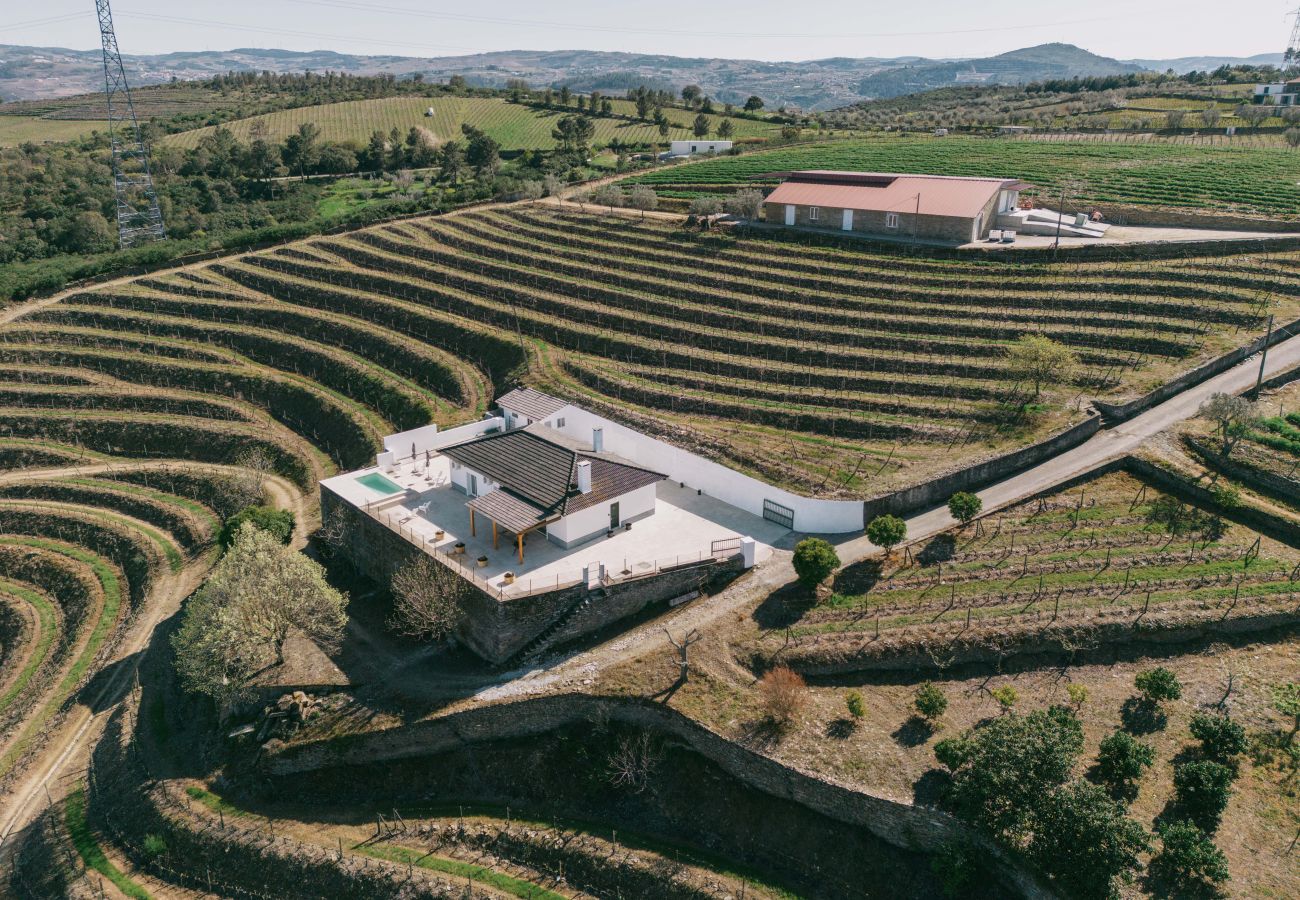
{"x":1188,"y":859}
{"x":747,"y":204}
{"x":1042,"y":361}
{"x":644,"y":198}
{"x":1233,"y":417}
{"x":236,"y":625}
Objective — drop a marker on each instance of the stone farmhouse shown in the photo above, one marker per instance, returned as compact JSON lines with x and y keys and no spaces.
{"x":928,"y":207}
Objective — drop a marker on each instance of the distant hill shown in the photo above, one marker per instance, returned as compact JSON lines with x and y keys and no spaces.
{"x":1185,"y":64}
{"x":1017,"y":67}
{"x":29,"y":73}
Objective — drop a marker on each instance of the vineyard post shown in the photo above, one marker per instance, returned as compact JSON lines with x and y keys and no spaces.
{"x":1263,"y":359}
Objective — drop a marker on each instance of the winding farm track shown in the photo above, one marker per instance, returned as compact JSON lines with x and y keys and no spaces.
{"x":81,"y":726}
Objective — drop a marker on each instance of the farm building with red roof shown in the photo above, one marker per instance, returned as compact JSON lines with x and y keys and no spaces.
{"x":930,"y":207}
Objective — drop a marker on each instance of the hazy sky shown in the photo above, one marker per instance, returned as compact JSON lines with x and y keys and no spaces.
{"x":760,"y":29}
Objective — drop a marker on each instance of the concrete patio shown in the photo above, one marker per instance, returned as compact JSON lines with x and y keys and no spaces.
{"x":682,"y":529}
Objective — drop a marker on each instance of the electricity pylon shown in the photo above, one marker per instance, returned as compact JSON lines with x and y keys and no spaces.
{"x":1291,"y":58}
{"x":139,"y":220}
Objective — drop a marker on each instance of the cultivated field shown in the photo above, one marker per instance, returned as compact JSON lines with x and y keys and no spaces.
{"x":515,"y":126}
{"x":1088,"y":557}
{"x":838,"y":372}
{"x":15,"y":130}
{"x":1212,"y":177}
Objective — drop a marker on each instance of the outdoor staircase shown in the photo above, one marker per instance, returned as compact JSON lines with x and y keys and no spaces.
{"x":1045,"y":222}
{"x":534,"y":647}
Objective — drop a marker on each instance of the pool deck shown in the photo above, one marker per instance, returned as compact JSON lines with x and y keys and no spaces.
{"x":682,"y":529}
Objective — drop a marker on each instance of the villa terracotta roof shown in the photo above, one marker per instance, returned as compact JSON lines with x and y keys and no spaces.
{"x":939,"y":195}
{"x":538,"y":466}
{"x":533,"y":404}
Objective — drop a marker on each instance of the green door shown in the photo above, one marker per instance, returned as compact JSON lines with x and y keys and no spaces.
{"x":613,"y":516}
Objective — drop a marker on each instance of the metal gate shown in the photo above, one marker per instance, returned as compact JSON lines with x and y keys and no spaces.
{"x":781,"y":515}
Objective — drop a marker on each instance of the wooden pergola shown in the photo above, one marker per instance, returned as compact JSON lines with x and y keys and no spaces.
{"x":510,"y":512}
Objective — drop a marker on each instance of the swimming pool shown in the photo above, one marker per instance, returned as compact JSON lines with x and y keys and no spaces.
{"x":377,"y":482}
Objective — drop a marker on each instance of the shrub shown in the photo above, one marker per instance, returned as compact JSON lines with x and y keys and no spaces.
{"x":1220,"y":737}
{"x":784,"y":694}
{"x":856,"y":707}
{"x":1188,"y":858}
{"x":814,"y":561}
{"x":1006,"y":696}
{"x":952,"y":753}
{"x":964,"y":507}
{"x":278,"y":523}
{"x":1078,"y":694}
{"x":930,"y":701}
{"x":887,"y":532}
{"x":1121,"y":759}
{"x":1042,"y":361}
{"x":1202,"y":789}
{"x":1158,"y":684}
{"x":1286,"y":700}
{"x":154,"y":845}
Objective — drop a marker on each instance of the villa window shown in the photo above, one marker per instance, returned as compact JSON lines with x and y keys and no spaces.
{"x":559,"y":423}
{"x":891,"y":220}
{"x":814,"y":213}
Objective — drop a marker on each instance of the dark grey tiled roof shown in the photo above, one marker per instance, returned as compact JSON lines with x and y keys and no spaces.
{"x":538,"y":465}
{"x":510,"y":512}
{"x":533,"y":404}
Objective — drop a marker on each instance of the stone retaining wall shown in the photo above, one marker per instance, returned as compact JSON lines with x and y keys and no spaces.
{"x":1124,"y":411}
{"x":938,"y":490}
{"x":895,"y":821}
{"x":495,"y":628}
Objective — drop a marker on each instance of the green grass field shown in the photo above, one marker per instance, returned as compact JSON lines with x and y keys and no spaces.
{"x":515,"y":126}
{"x":15,"y":130}
{"x":1216,"y":178}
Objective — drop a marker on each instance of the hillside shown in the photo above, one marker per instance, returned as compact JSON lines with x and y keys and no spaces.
{"x":44,"y":72}
{"x":1017,"y":67}
{"x":515,"y":126}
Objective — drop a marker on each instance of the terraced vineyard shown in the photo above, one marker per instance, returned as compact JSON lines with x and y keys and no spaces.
{"x":515,"y":126}
{"x":837,"y":371}
{"x":1089,"y":556}
{"x":1214,"y":178}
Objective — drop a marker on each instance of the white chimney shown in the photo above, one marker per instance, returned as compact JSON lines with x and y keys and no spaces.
{"x":584,"y":476}
{"x":597,"y":440}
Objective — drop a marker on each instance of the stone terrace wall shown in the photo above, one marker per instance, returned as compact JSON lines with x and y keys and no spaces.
{"x":1124,"y":411}
{"x":895,"y":821}
{"x":938,"y":490}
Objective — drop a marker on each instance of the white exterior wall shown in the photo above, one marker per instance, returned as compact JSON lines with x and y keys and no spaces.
{"x":586,"y":523}
{"x":687,"y":148}
{"x":429,"y":437}
{"x":460,"y":478}
{"x":716,"y":480}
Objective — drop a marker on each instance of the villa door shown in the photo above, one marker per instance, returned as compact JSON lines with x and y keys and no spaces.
{"x":613,"y":516}
{"x":847,"y":224}
{"x":789,"y":214}
{"x":471,"y":485}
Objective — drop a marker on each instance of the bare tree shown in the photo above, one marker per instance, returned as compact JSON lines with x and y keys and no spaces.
{"x":634,"y":762}
{"x":682,"y":647}
{"x":1210,"y":116}
{"x":428,"y":599}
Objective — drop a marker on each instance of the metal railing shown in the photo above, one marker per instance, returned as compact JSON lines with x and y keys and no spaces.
{"x":630,"y":571}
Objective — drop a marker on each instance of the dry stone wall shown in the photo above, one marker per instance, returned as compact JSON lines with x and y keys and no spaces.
{"x":895,"y":821}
